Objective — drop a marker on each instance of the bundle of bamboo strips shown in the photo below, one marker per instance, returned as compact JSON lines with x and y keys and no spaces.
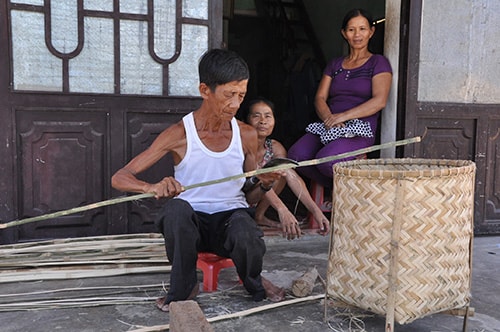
{"x":83,"y":257}
{"x":78,"y":297}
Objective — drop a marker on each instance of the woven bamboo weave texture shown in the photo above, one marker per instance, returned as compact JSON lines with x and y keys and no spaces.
{"x":431,"y":271}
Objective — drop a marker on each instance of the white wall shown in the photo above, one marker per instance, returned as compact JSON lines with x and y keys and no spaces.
{"x":460,"y":52}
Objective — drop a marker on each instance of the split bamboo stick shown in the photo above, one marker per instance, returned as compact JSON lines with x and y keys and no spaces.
{"x":77,"y":209}
{"x":237,"y":314}
{"x":78,"y":274}
{"x":72,"y":303}
{"x":207,"y":183}
{"x":81,"y":289}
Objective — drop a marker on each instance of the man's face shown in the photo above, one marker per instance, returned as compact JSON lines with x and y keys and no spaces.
{"x":227,"y":98}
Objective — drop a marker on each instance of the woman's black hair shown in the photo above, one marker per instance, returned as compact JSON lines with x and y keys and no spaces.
{"x":255,"y":101}
{"x":355,"y":13}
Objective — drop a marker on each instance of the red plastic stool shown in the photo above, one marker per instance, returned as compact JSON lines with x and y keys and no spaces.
{"x":210,"y":264}
{"x":318,"y":195}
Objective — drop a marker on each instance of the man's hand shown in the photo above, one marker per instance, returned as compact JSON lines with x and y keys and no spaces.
{"x":168,"y":187}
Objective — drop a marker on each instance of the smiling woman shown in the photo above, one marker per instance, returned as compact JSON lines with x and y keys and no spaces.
{"x":353,"y":89}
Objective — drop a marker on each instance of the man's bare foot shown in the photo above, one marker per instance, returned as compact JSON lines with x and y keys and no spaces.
{"x":273,"y":292}
{"x":160,"y":304}
{"x":165,"y":307}
{"x":265,"y":221}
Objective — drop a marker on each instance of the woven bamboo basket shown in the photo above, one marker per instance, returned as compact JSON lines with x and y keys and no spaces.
{"x":401,"y":243}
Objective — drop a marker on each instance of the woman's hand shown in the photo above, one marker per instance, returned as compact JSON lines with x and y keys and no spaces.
{"x":323,"y":223}
{"x":289,"y":224}
{"x":334,"y":120}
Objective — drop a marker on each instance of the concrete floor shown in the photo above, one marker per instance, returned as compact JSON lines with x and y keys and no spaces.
{"x":284,"y":262}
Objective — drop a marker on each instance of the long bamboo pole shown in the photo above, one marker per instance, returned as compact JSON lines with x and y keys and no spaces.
{"x":207,"y":183}
{"x":239,"y":313}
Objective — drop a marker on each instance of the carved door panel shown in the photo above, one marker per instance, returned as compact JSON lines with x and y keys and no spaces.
{"x":143,"y":129}
{"x":84,"y":87}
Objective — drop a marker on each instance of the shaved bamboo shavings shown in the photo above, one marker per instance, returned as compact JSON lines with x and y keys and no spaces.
{"x":207,"y":183}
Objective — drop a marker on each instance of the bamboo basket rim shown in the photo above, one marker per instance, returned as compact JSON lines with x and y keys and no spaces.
{"x":403,"y":168}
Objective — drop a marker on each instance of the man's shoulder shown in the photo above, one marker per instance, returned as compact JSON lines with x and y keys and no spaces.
{"x":245,"y":128}
{"x":175,"y":131}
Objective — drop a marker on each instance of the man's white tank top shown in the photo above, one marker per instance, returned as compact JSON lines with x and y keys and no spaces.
{"x":201,"y":164}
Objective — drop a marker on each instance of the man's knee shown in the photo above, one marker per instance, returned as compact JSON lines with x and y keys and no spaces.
{"x":243,"y":230}
{"x":174,"y":213}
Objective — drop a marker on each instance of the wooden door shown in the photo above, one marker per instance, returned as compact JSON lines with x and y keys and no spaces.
{"x":84,"y":87}
{"x":449,"y":101}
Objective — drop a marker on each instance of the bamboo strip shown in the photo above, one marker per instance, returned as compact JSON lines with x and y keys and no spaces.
{"x":307,"y":162}
{"x":394,"y":253}
{"x":76,"y":274}
{"x":77,"y":209}
{"x":72,"y":303}
{"x":67,"y":268}
{"x":202,"y":184}
{"x":14,"y":264}
{"x":66,"y":263}
{"x":72,"y":289}
{"x":93,"y":248}
{"x":239,"y":313}
{"x":116,"y":244}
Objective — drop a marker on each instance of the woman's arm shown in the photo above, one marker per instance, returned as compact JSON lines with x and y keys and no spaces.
{"x":321,"y":98}
{"x":381,"y":85}
{"x":299,"y":188}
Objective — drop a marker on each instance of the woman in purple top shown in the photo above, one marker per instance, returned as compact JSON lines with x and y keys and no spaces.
{"x":352,"y":88}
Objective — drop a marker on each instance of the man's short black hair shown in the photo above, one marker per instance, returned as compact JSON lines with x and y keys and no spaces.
{"x":218,"y":66}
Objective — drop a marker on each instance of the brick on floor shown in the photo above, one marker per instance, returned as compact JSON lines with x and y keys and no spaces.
{"x":187,"y":316}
